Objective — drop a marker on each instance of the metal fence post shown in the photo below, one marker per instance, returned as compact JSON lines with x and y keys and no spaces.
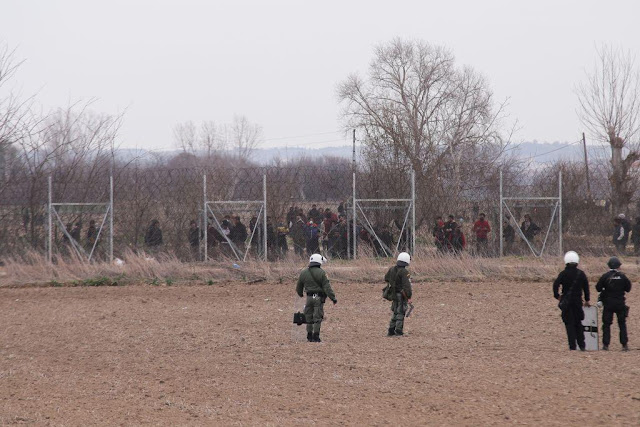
{"x":560,"y":211}
{"x":355,"y":237}
{"x":205,"y":223}
{"x":49,"y":225}
{"x":500,"y":245}
{"x":264,"y":225}
{"x":111,"y":219}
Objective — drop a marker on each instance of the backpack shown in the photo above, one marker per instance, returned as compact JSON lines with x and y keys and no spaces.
{"x":389,"y":291}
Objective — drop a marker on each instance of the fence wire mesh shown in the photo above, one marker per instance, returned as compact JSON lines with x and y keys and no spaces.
{"x":173,"y":198}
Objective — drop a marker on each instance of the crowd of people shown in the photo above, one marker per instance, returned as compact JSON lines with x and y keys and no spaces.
{"x":306,"y":233}
{"x":325,"y":231}
{"x":74,"y":231}
{"x":624,"y":232}
{"x":449,"y":236}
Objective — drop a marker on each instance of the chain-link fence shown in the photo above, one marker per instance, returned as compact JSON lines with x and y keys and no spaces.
{"x":158,"y":208}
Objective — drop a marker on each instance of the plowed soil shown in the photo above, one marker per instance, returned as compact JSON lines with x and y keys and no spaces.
{"x":474,"y":353}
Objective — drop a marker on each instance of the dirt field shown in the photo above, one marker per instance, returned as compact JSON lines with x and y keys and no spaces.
{"x":475,"y":353}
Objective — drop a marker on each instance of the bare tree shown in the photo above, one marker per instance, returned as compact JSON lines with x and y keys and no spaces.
{"x":185,"y":136}
{"x":210,"y":139}
{"x":244,"y":136}
{"x":610,"y":109}
{"x":16,"y":119}
{"x":417,"y":110}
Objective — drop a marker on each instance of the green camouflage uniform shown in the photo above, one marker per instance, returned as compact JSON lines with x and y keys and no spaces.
{"x":400,"y":278}
{"x":314,"y":282}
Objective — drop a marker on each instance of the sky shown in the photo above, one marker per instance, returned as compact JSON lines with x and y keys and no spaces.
{"x":162,"y":62}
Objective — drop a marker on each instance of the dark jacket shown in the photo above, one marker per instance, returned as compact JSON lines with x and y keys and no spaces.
{"x":194,"y":237}
{"x":613,"y":285}
{"x":238,"y":233}
{"x":508,"y":233}
{"x":529,"y":231}
{"x":313,"y":280}
{"x":399,"y":277}
{"x":297,"y":233}
{"x":92,"y":235}
{"x":153,"y":237}
{"x":574,"y":282}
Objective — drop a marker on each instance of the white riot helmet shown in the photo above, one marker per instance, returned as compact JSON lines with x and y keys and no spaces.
{"x":404,"y":257}
{"x":317,"y":259}
{"x":571,"y":257}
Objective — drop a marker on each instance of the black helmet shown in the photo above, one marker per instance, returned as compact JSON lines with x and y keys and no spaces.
{"x":614,"y":262}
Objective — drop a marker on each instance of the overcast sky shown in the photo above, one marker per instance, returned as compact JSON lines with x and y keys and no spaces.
{"x":278,"y":62}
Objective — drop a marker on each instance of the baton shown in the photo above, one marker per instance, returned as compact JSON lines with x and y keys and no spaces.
{"x":410,"y":310}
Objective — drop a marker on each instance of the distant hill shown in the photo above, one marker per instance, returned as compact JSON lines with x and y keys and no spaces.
{"x":536,"y":151}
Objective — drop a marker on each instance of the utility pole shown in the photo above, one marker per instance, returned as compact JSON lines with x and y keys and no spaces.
{"x":354,"y":151}
{"x":586,"y":167}
{"x":354,"y":231}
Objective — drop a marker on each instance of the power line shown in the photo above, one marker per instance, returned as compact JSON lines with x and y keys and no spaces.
{"x":556,"y":149}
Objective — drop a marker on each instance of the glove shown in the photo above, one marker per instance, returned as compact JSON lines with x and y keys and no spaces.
{"x":335,"y":301}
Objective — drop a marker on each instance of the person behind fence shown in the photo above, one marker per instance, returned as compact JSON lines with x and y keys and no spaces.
{"x":438,"y":234}
{"x":329,"y":221}
{"x":574,"y":283}
{"x":314,"y":283}
{"x":194,"y":235}
{"x":92,"y":235}
{"x":612,"y":287}
{"x":626,"y":224}
{"x":449,"y":229}
{"x":620,"y":234}
{"x":225,"y":247}
{"x":153,"y":236}
{"x":529,"y":228}
{"x":399,"y":280}
{"x":340,"y":238}
{"x":291,"y":216}
{"x":238,"y":233}
{"x":509,"y":236}
{"x":482,"y":228}
{"x":283,"y":246}
{"x":213,"y":236}
{"x":272,"y":239}
{"x":76,"y":231}
{"x":65,"y":239}
{"x":298,"y":236}
{"x":387,"y":238}
{"x":314,"y":214}
{"x":311,"y":232}
{"x":458,"y":240}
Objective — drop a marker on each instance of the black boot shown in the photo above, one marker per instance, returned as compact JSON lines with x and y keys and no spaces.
{"x":391,"y":332}
{"x":309,"y":336}
{"x":316,"y":337}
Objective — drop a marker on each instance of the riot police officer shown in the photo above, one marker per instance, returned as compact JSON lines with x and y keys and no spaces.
{"x":399,"y":279}
{"x":314,"y":282}
{"x":574,"y":282}
{"x":613,"y":285}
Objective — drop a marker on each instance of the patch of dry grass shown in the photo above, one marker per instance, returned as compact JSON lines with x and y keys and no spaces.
{"x":168,"y":270}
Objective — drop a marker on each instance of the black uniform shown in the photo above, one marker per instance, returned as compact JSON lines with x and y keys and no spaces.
{"x":613,"y":285}
{"x":574,"y":282}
